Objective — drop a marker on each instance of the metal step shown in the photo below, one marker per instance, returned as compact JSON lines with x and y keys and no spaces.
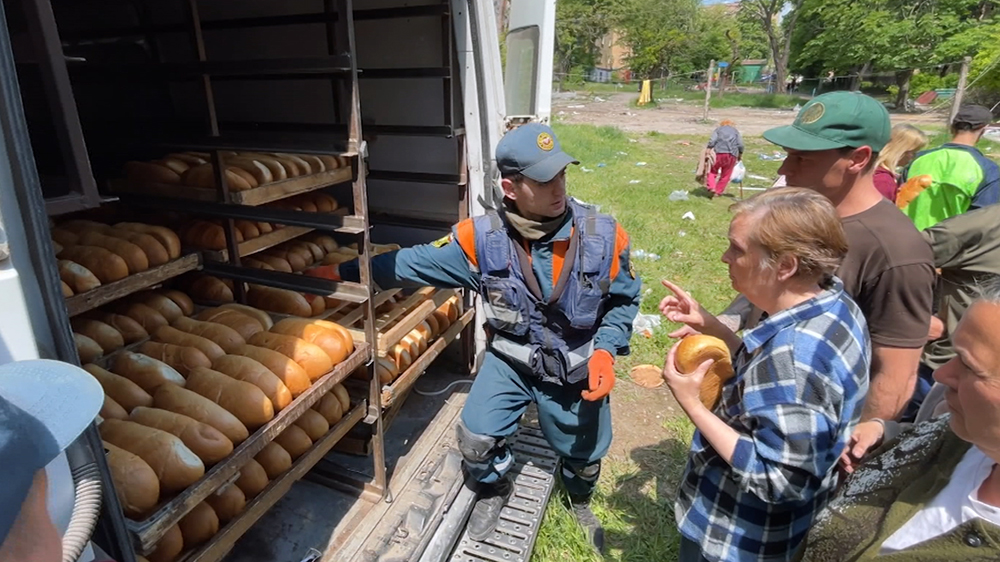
{"x":521,"y":518}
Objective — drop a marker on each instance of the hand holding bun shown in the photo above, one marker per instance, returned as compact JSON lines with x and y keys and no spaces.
{"x":683,"y":369}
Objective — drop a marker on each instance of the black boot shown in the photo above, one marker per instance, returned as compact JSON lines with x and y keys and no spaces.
{"x":590,"y":523}
{"x":486,"y":512}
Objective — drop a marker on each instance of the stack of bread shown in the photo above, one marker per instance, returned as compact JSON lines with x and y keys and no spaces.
{"x":211,"y":235}
{"x":311,"y":202}
{"x":93,"y":253}
{"x":244,"y":170}
{"x":200,"y":386}
{"x":415,"y":343}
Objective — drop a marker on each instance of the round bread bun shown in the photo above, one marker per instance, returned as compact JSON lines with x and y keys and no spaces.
{"x":647,"y":376}
{"x":695,"y":350}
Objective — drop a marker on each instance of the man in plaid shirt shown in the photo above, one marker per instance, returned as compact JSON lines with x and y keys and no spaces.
{"x":761,"y":465}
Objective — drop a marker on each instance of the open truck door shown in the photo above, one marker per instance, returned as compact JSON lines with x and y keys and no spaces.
{"x":528,"y":71}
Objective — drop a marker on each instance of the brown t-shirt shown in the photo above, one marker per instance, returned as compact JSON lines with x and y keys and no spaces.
{"x":888,"y":271}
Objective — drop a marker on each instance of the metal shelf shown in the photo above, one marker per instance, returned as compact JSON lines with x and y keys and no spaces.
{"x":416,"y":177}
{"x":425,"y":72}
{"x":321,"y":67}
{"x":89,"y":300}
{"x":388,"y":130}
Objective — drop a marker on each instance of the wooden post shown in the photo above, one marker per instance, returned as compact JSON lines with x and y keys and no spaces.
{"x":708,"y":88}
{"x":956,"y":102}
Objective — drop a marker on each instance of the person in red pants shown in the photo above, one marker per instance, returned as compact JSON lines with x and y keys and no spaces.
{"x":728,"y":145}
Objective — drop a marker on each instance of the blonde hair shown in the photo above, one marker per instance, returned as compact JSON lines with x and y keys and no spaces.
{"x":905,"y":138}
{"x":725,"y":122}
{"x":798,"y":222}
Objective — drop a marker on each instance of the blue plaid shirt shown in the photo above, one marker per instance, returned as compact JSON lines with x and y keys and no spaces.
{"x":801,"y":379}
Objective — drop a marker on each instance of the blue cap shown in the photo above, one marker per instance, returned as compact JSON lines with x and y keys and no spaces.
{"x":44,"y":406}
{"x":533,"y":151}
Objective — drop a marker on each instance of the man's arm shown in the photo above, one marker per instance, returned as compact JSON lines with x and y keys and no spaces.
{"x":988,"y":192}
{"x":448,"y":267}
{"x":623,"y":302}
{"x":893,"y":379}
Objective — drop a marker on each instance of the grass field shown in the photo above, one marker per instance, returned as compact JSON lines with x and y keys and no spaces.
{"x":635,"y":495}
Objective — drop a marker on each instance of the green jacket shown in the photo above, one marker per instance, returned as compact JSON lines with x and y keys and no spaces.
{"x":886,"y":492}
{"x":963,"y":179}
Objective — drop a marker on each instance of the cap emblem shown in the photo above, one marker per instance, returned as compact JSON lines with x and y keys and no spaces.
{"x":812,"y":114}
{"x":545,"y":142}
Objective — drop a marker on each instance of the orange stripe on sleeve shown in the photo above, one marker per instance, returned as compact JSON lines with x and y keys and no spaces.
{"x":621,"y":242}
{"x":466,"y":235}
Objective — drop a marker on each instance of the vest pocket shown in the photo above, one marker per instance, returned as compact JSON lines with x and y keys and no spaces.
{"x":581,"y":302}
{"x":505,"y":305}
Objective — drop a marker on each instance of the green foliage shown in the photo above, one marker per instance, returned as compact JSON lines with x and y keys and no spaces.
{"x":580,"y":24}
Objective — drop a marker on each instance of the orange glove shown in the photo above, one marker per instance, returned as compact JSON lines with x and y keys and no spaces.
{"x":602,"y":376}
{"x":331,"y":272}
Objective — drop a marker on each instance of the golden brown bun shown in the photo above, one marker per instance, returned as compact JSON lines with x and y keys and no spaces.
{"x":169,"y":334}
{"x":223,"y":336}
{"x":294,"y":440}
{"x":243,"y":324}
{"x":386,"y":370}
{"x":164,"y":235}
{"x":160,"y":303}
{"x":141,"y":173}
{"x":107,"y":337}
{"x":204,"y":176}
{"x":208,"y":235}
{"x":130,"y":330}
{"x":294,"y":377}
{"x":329,"y":407}
{"x":79,"y":278}
{"x":248,"y":370}
{"x":133,"y":255}
{"x":199,"y":525}
{"x":227,"y":502}
{"x":208,"y":443}
{"x":248,"y":229}
{"x":180,"y":357}
{"x":181,"y":300}
{"x":695,"y":350}
{"x":145,"y":371}
{"x":119,"y":388}
{"x":211,"y":289}
{"x":309,"y":356}
{"x":136,"y":484}
{"x":329,"y":340}
{"x":252,"y":480}
{"x":314,"y":424}
{"x":143,"y":314}
{"x":174,"y":464}
{"x":274,"y":459}
{"x":170,"y":546}
{"x":341,"y":393}
{"x":106,"y":265}
{"x":242,"y":399}
{"x":261,"y":316}
{"x":87,"y":349}
{"x":112,"y":410}
{"x":176,"y":399}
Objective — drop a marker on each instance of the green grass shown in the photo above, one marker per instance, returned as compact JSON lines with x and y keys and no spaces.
{"x":635,"y":495}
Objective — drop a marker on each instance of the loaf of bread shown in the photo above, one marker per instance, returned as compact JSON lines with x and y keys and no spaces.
{"x":64,"y":237}
{"x":78,"y":278}
{"x":261,"y":316}
{"x":112,"y":410}
{"x":450,"y":308}
{"x":315,"y":163}
{"x":208,"y":235}
{"x":345,"y":334}
{"x":164,"y":235}
{"x":313,"y":424}
{"x":274,"y":262}
{"x":170,"y":546}
{"x":261,"y":173}
{"x":156,"y":252}
{"x":204,"y":176}
{"x":183,"y":301}
{"x":278,"y":172}
{"x":136,"y":484}
{"x":274,"y":460}
{"x":695,"y":350}
{"x":182,"y":358}
{"x":193,"y":405}
{"x":107,"y":337}
{"x":175,"y":465}
{"x":160,"y":303}
{"x":227,"y":502}
{"x":329,"y":407}
{"x":295,"y":260}
{"x":252,"y":480}
{"x":386,"y":370}
{"x":317,"y":304}
{"x":223,"y":336}
{"x":190,"y":159}
{"x":245,"y":325}
{"x":309,"y":356}
{"x":278,"y":300}
{"x":294,"y":377}
{"x":265,"y":227}
{"x":66,"y":291}
{"x":133,"y":255}
{"x":432,"y":323}
{"x":324,"y":241}
{"x":242,"y":399}
{"x":294,"y":440}
{"x":130,"y":330}
{"x":312,"y":252}
{"x":248,"y":229}
{"x":341,"y":393}
{"x":87,"y":349}
{"x":208,"y":443}
{"x":104,"y":264}
{"x":119,"y":388}
{"x":247,"y":370}
{"x":149,"y":319}
{"x":329,"y":162}
{"x":426,"y":332}
{"x":211,"y":289}
{"x":199,"y":525}
{"x":169,"y":334}
{"x":145,"y":371}
{"x":330,"y":341}
{"x":140,"y":174}
{"x":401,"y":356}
{"x":292,"y":167}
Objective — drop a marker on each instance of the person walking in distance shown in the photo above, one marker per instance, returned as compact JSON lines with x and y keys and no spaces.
{"x":727,"y":143}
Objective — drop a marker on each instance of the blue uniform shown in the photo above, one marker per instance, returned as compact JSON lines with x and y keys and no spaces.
{"x":580,"y":431}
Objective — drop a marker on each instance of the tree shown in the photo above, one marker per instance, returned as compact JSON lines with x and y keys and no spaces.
{"x":580,"y":25}
{"x":779,"y":33}
{"x":659,"y":33}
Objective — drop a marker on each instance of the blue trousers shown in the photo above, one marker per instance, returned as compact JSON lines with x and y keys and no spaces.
{"x":578,"y":430}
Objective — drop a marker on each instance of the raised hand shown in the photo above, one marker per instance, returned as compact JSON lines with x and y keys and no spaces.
{"x":681,"y":307}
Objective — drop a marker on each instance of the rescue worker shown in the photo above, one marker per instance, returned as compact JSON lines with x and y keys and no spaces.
{"x":559,"y":296}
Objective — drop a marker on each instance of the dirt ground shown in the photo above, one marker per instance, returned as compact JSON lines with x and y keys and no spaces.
{"x":680,"y":117}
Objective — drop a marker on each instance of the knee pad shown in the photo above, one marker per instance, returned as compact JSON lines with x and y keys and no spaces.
{"x":588,"y":472}
{"x":475,"y":447}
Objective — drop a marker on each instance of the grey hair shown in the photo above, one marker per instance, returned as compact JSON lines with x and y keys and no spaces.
{"x":988,"y":289}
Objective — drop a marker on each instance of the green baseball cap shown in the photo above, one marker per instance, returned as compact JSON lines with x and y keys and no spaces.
{"x":835,"y":120}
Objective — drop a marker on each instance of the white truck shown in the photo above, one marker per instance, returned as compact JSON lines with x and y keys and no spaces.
{"x":411,"y":93}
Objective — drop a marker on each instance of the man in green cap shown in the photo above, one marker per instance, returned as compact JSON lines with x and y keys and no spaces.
{"x":832,"y":146}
